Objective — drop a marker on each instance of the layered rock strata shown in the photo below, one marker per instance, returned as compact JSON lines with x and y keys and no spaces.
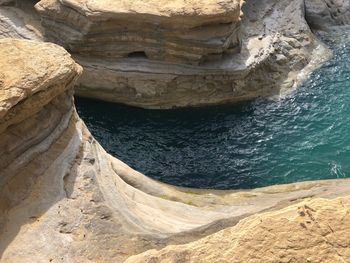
{"x":64,"y":199}
{"x":146,"y":53}
{"x":19,"y":20}
{"x":188,"y":32}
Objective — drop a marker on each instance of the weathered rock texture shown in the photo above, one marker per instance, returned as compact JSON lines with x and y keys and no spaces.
{"x":7,"y":2}
{"x":164,"y":54}
{"x":312,"y":231}
{"x":20,"y":21}
{"x":323,"y":14}
{"x":189,"y":32}
{"x":64,"y":199}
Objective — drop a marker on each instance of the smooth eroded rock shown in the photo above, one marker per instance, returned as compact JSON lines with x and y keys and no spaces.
{"x":311,"y":231}
{"x":64,"y":199}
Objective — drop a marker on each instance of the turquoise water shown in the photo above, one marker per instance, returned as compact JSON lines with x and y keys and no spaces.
{"x":305,"y":136}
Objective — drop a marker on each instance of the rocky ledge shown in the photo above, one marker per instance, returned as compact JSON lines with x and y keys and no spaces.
{"x":182,"y":53}
{"x":311,"y":231}
{"x":188,"y":32}
{"x":64,"y":199}
{"x":157,"y":54}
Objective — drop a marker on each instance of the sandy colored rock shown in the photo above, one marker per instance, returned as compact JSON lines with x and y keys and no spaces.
{"x":312,"y":231}
{"x":256,"y":50}
{"x":189,"y":32}
{"x":39,"y":68}
{"x":164,"y":8}
{"x":20,"y":21}
{"x":60,"y":189}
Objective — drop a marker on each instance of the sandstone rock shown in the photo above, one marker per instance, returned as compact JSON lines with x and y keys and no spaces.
{"x":20,"y":21}
{"x":32,"y":76}
{"x":64,"y":199}
{"x":35,"y":85}
{"x":189,"y":32}
{"x":312,"y":231}
{"x":269,"y":30}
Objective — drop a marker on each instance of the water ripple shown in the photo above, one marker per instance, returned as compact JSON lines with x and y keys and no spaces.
{"x":305,"y":136}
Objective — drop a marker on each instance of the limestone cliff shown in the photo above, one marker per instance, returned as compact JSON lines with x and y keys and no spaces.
{"x":164,"y":54}
{"x":189,"y":32}
{"x":156,"y":54}
{"x":64,"y":199}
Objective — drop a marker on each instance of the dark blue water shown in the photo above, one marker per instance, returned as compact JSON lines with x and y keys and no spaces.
{"x":305,"y":136}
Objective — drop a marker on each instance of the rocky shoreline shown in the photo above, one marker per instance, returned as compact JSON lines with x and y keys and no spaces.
{"x":269,"y":48}
{"x":264,"y":47}
{"x":64,"y":199}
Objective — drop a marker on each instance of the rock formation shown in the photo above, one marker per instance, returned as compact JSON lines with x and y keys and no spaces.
{"x":184,"y":53}
{"x":188,"y":32}
{"x":19,"y":21}
{"x":312,"y":231}
{"x":323,"y":14}
{"x":64,"y":199}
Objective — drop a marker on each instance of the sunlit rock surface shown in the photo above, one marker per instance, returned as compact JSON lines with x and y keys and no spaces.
{"x":189,"y":32}
{"x":64,"y":199}
{"x":311,"y":231}
{"x":155,"y":54}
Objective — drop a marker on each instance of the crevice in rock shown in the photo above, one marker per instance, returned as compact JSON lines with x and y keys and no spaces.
{"x":138,"y":54}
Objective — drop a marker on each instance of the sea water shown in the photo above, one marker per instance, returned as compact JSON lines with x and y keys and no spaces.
{"x":304,"y":136}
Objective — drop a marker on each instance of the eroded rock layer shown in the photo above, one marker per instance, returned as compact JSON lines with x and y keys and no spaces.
{"x":19,"y":21}
{"x":189,"y":32}
{"x":194,"y":61}
{"x":64,"y":199}
{"x":312,"y":231}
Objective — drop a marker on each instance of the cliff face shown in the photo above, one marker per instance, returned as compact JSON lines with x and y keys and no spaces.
{"x":183,"y":53}
{"x":64,"y":199}
{"x":188,"y":32}
{"x":36,"y":128}
{"x":323,"y":14}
